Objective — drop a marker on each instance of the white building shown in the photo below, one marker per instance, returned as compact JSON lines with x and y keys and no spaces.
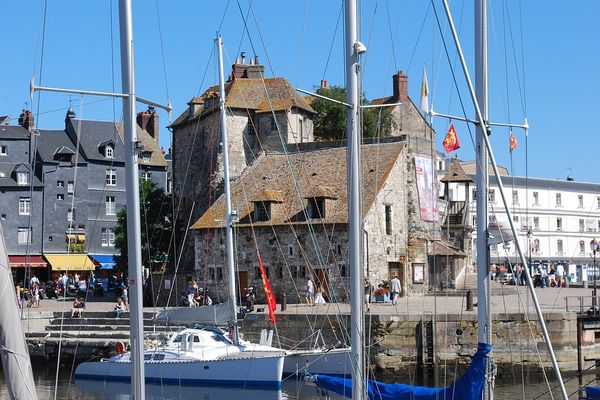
{"x":556,"y":220}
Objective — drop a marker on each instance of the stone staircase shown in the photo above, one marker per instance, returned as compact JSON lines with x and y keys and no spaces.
{"x":91,"y":336}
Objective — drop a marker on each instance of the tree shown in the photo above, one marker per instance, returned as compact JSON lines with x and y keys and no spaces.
{"x":156,"y":223}
{"x":330,"y":121}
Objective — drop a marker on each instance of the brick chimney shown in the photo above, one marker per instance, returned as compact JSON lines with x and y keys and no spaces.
{"x":324,"y":84}
{"x":26,"y":120}
{"x":400,"y":87}
{"x":148,"y":121}
{"x":241,"y":70}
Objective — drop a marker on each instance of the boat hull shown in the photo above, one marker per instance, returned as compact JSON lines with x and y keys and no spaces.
{"x":334,"y":362}
{"x":264,"y":371}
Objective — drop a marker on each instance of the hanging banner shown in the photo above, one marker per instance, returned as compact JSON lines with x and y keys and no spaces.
{"x":271,"y":304}
{"x":427,"y":188}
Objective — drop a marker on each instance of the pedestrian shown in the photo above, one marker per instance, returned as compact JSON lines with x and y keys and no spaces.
{"x":395,"y":289}
{"x":310,"y":291}
{"x":560,"y":273}
{"x":368,"y":293}
{"x":191,"y":293}
{"x":125,"y":297}
{"x":119,"y":308}
{"x":543,"y":277}
{"x":18,"y":290}
{"x":319,"y":299}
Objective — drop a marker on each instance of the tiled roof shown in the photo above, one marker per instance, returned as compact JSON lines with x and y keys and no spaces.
{"x":275,"y":94}
{"x":456,"y":173}
{"x":319,"y":171}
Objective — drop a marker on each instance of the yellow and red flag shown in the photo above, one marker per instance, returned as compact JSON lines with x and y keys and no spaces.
{"x":451,"y":141}
{"x":271,"y":303}
{"x":512,"y":142}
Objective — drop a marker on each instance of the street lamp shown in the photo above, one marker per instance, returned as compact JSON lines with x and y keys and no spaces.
{"x":595,"y":247}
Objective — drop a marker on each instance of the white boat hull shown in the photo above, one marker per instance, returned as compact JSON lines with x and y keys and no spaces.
{"x":333,"y":362}
{"x":260,"y":371}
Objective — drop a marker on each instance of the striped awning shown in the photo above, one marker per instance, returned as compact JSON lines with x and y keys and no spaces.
{"x":27,"y":261}
{"x":70,"y":262}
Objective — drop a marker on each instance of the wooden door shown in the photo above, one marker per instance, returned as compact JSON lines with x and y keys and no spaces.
{"x":321,"y":280}
{"x":242,"y":283}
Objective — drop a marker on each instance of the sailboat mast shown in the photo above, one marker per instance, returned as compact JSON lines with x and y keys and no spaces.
{"x":484,"y":323}
{"x":352,"y":51}
{"x":228,"y":212}
{"x":134,"y":254}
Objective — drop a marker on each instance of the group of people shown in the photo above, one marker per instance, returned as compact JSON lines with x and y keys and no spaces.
{"x":544,"y":276}
{"x":314,"y":298}
{"x":196,"y":296}
{"x":317,"y":298}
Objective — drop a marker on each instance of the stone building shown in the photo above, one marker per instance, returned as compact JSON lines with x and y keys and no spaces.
{"x":263,"y":114}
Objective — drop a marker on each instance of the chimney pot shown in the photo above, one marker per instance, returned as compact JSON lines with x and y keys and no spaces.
{"x":243,"y":57}
{"x":324,"y":84}
{"x":26,"y":120}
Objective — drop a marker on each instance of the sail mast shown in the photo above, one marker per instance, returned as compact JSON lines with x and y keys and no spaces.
{"x":484,"y":331}
{"x":134,"y":254}
{"x":353,"y":49}
{"x":228,"y":212}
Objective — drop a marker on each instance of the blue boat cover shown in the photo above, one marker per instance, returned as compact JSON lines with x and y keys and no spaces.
{"x":467,"y":387}
{"x":592,"y":392}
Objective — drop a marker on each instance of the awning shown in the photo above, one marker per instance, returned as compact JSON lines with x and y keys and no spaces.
{"x":71,"y":238}
{"x":80,"y":238}
{"x":27,"y":261}
{"x":106,"y":261}
{"x":70,"y":262}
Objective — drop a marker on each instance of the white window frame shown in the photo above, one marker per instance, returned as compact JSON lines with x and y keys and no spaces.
{"x":110,"y":203}
{"x":23,"y":234}
{"x":558,"y":199}
{"x":147,"y":156}
{"x":22,"y":178}
{"x":111,"y":177}
{"x":109,"y":152}
{"x":24,"y":205}
{"x":70,"y":188}
{"x":108,"y":237}
{"x":3,"y":150}
{"x":70,"y":215}
{"x":580,"y":201}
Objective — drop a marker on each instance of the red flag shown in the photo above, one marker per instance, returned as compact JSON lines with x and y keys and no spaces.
{"x":512,"y":142}
{"x":451,"y":142}
{"x":271,"y":303}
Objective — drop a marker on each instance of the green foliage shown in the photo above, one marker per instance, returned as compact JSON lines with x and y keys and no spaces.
{"x":76,"y":248}
{"x":330,"y":121}
{"x":156,"y":223}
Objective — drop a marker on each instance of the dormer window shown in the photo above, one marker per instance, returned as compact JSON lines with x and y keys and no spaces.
{"x":316,"y":207}
{"x":262,"y":211}
{"x":146,"y":156}
{"x":109,"y":152}
{"x":22,"y":178}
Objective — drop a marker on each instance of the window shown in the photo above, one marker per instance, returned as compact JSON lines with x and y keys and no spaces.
{"x":146,"y":156}
{"x":598,"y":202}
{"x":3,"y":150}
{"x":493,"y":219}
{"x":492,"y":196}
{"x":343,"y":270}
{"x":536,"y":223}
{"x":515,"y":218}
{"x":291,"y":250}
{"x":146,"y":176}
{"x":60,"y":196}
{"x":108,"y":237}
{"x":301,"y":124}
{"x":559,"y":246}
{"x":60,"y":183}
{"x":580,"y":201}
{"x":24,"y":236}
{"x":388,"y":219}
{"x":251,"y":130}
{"x":262,"y":211}
{"x":294,"y":271}
{"x":339,"y":248}
{"x":581,"y":225}
{"x":110,"y":205}
{"x":71,"y":214}
{"x":558,"y":200}
{"x":273,"y":124}
{"x":109,"y":152}
{"x":474,"y":194}
{"x":22,"y":178}
{"x":111,"y":177}
{"x":316,"y":207}
{"x":70,"y":188}
{"x":24,"y":206}
{"x":3,"y":217}
{"x":536,"y":199}
{"x":581,"y":248}
{"x":515,"y":197}
{"x":535,"y":247}
{"x":559,"y":224}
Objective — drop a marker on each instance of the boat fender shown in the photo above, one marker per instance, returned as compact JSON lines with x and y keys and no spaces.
{"x":120,"y":347}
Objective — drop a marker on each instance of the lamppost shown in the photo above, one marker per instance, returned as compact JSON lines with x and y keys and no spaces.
{"x":595,"y":247}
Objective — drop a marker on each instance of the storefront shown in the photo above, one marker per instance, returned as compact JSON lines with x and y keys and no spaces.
{"x":19,"y":264}
{"x":69,"y":263}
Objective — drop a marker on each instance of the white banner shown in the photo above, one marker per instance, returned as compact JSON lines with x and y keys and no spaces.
{"x":426,"y":188}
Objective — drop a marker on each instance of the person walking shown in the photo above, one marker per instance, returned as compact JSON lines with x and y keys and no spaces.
{"x":368,"y":293}
{"x":560,"y":273}
{"x":310,"y":292}
{"x":395,"y":289}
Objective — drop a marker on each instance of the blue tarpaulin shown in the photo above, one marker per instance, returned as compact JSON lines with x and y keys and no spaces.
{"x":592,"y":392}
{"x":467,"y":387}
{"x":105,"y":261}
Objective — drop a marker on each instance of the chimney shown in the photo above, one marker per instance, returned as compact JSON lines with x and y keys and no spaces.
{"x":148,"y":121}
{"x":324,"y":84}
{"x":26,"y":120}
{"x":241,"y":70}
{"x":400,"y":87}
{"x":243,"y":57}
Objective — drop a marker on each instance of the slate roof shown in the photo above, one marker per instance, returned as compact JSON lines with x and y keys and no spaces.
{"x":309,"y":170}
{"x":51,"y":142}
{"x":94,"y":134}
{"x":250,"y":94}
{"x":548,"y":184}
{"x":7,"y":178}
{"x":14,"y":132}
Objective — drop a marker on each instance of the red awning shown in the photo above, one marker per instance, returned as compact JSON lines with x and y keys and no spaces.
{"x":27,"y":261}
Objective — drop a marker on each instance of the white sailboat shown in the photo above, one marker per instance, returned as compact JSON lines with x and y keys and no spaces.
{"x":194,"y":356}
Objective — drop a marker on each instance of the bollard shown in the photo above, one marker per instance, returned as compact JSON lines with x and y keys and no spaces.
{"x":283,"y":302}
{"x":469,"y":300}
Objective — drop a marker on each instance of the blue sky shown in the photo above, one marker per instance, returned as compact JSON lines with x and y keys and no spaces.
{"x":557,"y":64}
